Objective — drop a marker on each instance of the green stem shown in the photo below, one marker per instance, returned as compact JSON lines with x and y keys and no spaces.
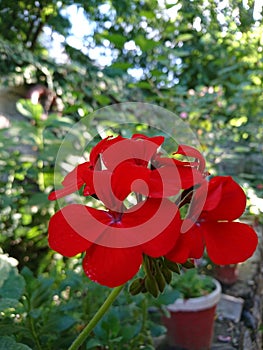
{"x":96,"y":318}
{"x":34,"y":333}
{"x":144,"y":315}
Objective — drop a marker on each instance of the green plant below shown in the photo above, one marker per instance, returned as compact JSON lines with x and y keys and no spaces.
{"x":191,"y":284}
{"x":43,"y":312}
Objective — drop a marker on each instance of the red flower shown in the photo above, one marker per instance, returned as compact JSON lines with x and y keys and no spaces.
{"x":116,"y":239}
{"x":158,"y":176}
{"x":227,"y":242}
{"x":146,"y":171}
{"x":140,"y":147}
{"x":115,"y":242}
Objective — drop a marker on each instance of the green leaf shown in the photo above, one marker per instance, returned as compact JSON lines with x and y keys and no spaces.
{"x":38,"y":199}
{"x":113,"y":323}
{"x":143,"y":85}
{"x":92,"y":344}
{"x":130,"y":331}
{"x":147,"y":14}
{"x":64,"y":322}
{"x":14,"y":286}
{"x":157,"y":329}
{"x":145,"y":44}
{"x":156,"y":73}
{"x":180,"y":52}
{"x":42,"y":292}
{"x":168,"y":297}
{"x":117,"y":39}
{"x":29,"y":109}
{"x":7,"y":327}
{"x":121,"y":65}
{"x":5,"y":268}
{"x":102,"y":99}
{"x":8,"y":343}
{"x":11,"y":283}
{"x":57,"y":121}
{"x":8,"y":303}
{"x":35,"y":313}
{"x":184,"y":37}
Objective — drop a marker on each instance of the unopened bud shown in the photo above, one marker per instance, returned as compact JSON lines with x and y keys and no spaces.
{"x":189,"y":264}
{"x":136,"y":286}
{"x":172,"y":266}
{"x":152,"y":286}
{"x":166,"y":273}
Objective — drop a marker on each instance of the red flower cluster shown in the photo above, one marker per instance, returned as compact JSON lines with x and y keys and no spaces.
{"x":117,"y":237}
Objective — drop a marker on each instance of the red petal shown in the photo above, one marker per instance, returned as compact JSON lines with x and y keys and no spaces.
{"x":198,"y":200}
{"x":170,"y":179}
{"x":106,"y":190}
{"x":78,"y":175}
{"x":189,"y":245}
{"x":73,"y":181}
{"x":111,"y":266}
{"x":193,"y":153}
{"x":144,"y":149}
{"x":229,"y":197}
{"x":154,"y":224}
{"x":140,"y":151}
{"x":62,"y":193}
{"x":165,"y":240}
{"x":229,"y":242}
{"x":142,"y":224}
{"x":129,"y":177}
{"x":72,"y":229}
{"x":101,"y":147}
{"x":158,"y":140}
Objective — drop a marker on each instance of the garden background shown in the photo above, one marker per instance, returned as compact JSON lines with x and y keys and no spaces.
{"x":202,"y":60}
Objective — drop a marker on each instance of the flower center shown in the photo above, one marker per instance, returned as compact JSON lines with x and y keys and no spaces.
{"x":115,"y":217}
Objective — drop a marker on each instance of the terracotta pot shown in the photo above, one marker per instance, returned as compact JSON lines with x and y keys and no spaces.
{"x":191,"y":324}
{"x":227,"y":274}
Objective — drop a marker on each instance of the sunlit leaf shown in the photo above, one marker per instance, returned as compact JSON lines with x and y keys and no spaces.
{"x":145,"y":44}
{"x":29,"y":109}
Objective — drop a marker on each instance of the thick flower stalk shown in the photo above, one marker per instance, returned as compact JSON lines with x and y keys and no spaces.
{"x":118,"y":239}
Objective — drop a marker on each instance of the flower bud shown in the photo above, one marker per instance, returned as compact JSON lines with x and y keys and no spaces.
{"x":136,"y":286}
{"x":189,"y":264}
{"x":167,"y":274}
{"x":151,"y":286}
{"x":172,"y":266}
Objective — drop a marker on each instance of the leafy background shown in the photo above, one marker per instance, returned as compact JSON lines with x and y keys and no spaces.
{"x":199,"y":59}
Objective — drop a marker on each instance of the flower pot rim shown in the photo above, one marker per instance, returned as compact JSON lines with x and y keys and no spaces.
{"x":198,"y":303}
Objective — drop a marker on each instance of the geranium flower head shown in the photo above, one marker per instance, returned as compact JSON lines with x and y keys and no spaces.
{"x":119,"y":235}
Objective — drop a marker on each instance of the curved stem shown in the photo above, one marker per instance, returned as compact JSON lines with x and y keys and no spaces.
{"x":96,"y":318}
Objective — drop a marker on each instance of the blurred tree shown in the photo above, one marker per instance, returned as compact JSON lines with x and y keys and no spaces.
{"x":23,"y":21}
{"x":200,"y":59}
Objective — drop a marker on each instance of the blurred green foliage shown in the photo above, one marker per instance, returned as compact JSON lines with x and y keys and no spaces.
{"x":47,"y":311}
{"x":198,"y":59}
